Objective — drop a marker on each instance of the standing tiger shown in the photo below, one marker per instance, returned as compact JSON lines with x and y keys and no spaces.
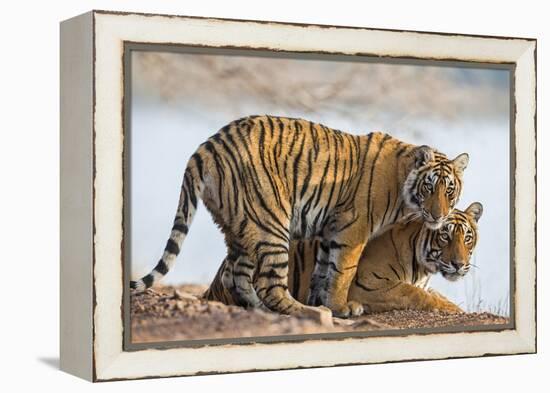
{"x":395,"y":267}
{"x":268,"y":179}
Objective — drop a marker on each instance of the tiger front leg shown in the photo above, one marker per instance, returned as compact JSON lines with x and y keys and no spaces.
{"x":345,"y":248}
{"x":441,"y":303}
{"x":317,"y":287}
{"x":398,"y":295}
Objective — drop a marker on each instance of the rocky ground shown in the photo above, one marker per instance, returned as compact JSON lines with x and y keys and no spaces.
{"x":170,"y":314}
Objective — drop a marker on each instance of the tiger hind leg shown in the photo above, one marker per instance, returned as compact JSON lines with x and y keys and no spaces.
{"x":242,"y":276}
{"x":237,"y":275}
{"x":271,"y":283}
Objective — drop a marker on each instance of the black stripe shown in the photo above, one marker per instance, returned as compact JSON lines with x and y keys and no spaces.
{"x":183,"y":199}
{"x":363,"y":287}
{"x":395,"y":272}
{"x":290,"y":149}
{"x":279,"y":265}
{"x":161,"y":267}
{"x":263,"y":153}
{"x":322,"y":183}
{"x":269,"y":244}
{"x":349,"y":223}
{"x":148,"y":280}
{"x":380,"y":277}
{"x":335,"y":245}
{"x":297,"y":160}
{"x":247,"y":265}
{"x":172,"y":247}
{"x":284,"y":310}
{"x":271,"y":274}
{"x":333,"y":266}
{"x":396,"y":253}
{"x":296,"y":280}
{"x":335,"y":170}
{"x":321,"y":262}
{"x":414,"y":259}
{"x":199,"y":163}
{"x":279,"y":302}
{"x":256,"y":187}
{"x":309,"y":172}
{"x":263,"y":255}
{"x":373,"y":166}
{"x":387,"y":207}
{"x":272,"y":231}
{"x":191,"y":192}
{"x":401,"y":151}
{"x":241,"y":274}
{"x":181,"y":228}
{"x":272,"y":287}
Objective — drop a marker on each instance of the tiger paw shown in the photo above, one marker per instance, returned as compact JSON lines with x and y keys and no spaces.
{"x":350,"y":309}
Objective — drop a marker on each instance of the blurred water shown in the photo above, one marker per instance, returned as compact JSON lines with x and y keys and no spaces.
{"x":164,"y":137}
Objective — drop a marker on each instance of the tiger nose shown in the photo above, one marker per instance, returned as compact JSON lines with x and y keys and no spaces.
{"x":431,"y":216}
{"x":457,"y":264}
{"x":437,"y":215}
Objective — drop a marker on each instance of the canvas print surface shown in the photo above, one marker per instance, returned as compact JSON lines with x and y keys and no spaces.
{"x":275,"y":195}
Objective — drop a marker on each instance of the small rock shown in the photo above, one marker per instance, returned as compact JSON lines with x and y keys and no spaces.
{"x":180,"y":305}
{"x":183,"y":295}
{"x":322,"y":315}
{"x":343,"y":322}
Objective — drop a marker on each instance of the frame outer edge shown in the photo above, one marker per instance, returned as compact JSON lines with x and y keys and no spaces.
{"x":117,"y":364}
{"x":76,"y":193}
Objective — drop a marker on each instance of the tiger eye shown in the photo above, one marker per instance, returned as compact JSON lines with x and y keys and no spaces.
{"x":428,"y":187}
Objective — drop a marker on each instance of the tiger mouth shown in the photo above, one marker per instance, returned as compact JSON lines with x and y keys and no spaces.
{"x":447,"y":270}
{"x":430,"y":222}
{"x":450,"y":272}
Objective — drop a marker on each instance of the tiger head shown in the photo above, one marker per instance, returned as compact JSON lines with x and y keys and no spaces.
{"x":434,"y":184}
{"x":449,"y":248}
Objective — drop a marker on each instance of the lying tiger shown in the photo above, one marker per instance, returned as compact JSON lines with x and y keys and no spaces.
{"x":395,"y":267}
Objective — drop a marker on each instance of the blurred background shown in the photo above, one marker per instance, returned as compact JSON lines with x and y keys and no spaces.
{"x":180,"y":99}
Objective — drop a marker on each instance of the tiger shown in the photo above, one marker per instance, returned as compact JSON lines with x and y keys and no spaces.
{"x":267,"y":179}
{"x":395,"y":267}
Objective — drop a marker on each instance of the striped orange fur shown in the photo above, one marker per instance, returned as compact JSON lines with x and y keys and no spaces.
{"x":395,"y":267}
{"x":267,"y":179}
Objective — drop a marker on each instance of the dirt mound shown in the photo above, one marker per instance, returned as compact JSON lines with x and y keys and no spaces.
{"x":170,"y":314}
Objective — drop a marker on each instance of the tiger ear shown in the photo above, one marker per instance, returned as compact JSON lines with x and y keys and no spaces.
{"x":475,"y":210}
{"x":461,"y":161}
{"x":423,"y":155}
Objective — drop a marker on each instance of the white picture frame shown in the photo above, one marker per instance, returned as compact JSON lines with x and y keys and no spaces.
{"x":92,"y":190}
